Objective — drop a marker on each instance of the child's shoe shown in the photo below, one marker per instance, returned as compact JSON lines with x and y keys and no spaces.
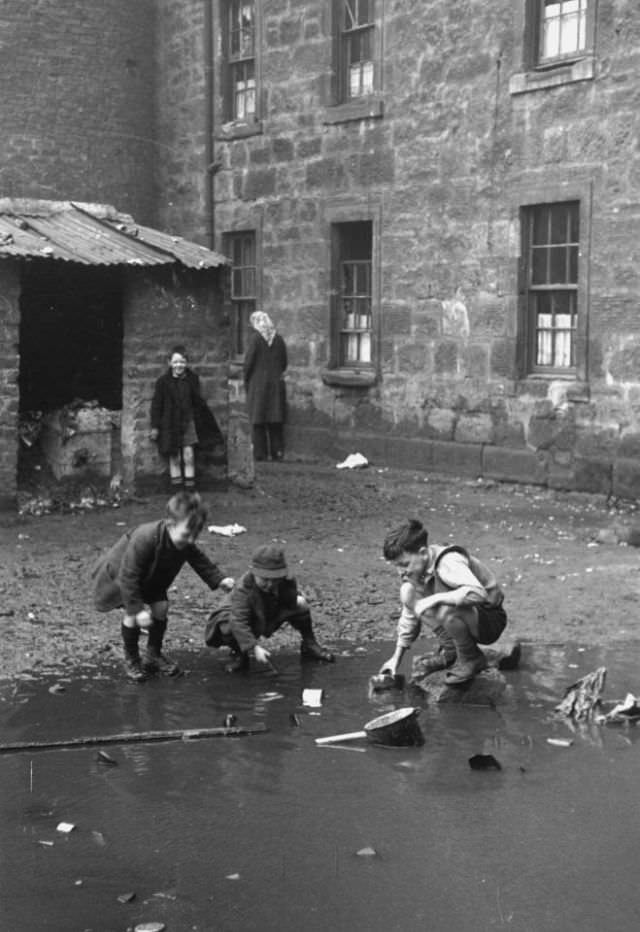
{"x":440,"y":659}
{"x":239,"y":663}
{"x":133,"y":669}
{"x":157,"y":662}
{"x":311,"y":650}
{"x":466,"y":668}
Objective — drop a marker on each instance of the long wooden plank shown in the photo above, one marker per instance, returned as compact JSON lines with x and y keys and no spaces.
{"x":129,"y":737}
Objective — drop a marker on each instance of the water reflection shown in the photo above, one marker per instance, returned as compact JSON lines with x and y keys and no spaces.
{"x":524,"y":846}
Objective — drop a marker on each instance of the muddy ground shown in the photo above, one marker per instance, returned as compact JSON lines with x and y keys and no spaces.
{"x":566,"y":575}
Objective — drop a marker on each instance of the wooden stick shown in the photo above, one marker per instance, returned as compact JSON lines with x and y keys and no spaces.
{"x":128,"y":737}
{"x":349,"y":736}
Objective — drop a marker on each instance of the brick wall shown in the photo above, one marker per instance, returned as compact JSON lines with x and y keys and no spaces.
{"x":445,"y":170}
{"x":76,"y":100}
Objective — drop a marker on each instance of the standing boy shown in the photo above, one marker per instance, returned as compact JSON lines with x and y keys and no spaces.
{"x":457,"y":595}
{"x":138,"y":571}
{"x":265,"y":598}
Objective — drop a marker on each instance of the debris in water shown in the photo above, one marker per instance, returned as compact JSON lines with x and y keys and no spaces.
{"x":294,"y":720}
{"x":103,"y":758}
{"x":57,"y":688}
{"x":626,"y":710}
{"x":98,"y":837}
{"x":230,"y":720}
{"x":232,"y":877}
{"x":353,"y":461}
{"x":45,"y":844}
{"x":127,"y":897}
{"x":312,"y":697}
{"x":226,"y":530}
{"x":65,"y":827}
{"x":484,"y":762}
{"x":150,"y":927}
{"x":367,"y":852}
{"x":560,"y":742}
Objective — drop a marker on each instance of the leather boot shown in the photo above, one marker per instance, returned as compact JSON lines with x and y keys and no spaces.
{"x":470,"y":659}
{"x":154,"y":660}
{"x":441,"y":658}
{"x":132,"y":665}
{"x":311,"y":650}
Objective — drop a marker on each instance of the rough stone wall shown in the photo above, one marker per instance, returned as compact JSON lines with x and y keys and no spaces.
{"x":9,"y":391}
{"x":445,"y":170}
{"x":76,"y":101}
{"x":182,"y":104}
{"x":162,"y":309}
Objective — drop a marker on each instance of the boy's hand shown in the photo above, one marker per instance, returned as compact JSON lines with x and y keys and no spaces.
{"x":391,"y":666}
{"x":261,"y":654}
{"x":227,"y":583}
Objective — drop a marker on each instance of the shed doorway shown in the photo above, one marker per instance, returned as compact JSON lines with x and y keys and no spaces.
{"x":71,"y":333}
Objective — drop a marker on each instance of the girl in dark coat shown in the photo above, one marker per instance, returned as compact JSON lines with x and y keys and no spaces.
{"x":265,"y":362}
{"x":180,"y":418}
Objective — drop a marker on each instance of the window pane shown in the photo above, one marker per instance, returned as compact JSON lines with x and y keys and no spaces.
{"x":562,"y":349}
{"x":557,"y":265}
{"x":539,"y":258}
{"x":559,"y":223}
{"x":540,"y":230}
{"x":573,"y":265}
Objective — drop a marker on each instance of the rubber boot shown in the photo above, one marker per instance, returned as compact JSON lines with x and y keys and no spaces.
{"x":309,"y":648}
{"x":442,"y":657}
{"x":470,"y":659}
{"x":155,"y":661}
{"x":132,"y":666}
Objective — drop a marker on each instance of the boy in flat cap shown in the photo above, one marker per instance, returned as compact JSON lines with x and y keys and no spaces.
{"x":261,"y":602}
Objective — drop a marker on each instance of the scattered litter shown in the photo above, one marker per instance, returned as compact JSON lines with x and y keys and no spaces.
{"x":367,"y":852}
{"x":484,"y":762}
{"x":582,"y":699}
{"x":103,"y":758}
{"x":230,"y":720}
{"x":126,"y":897}
{"x":78,"y":883}
{"x":99,"y":839}
{"x":294,"y":720}
{"x":65,"y":827}
{"x":150,"y":927}
{"x":353,"y":461}
{"x":57,"y":688}
{"x":560,"y":742}
{"x":232,"y":877}
{"x":226,"y":530}
{"x":312,"y":697}
{"x":45,"y":844}
{"x":626,"y":710}
{"x":271,"y":697}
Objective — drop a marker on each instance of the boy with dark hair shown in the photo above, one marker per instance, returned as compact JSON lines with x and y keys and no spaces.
{"x":261,"y":602}
{"x":138,"y":571}
{"x":453,"y":592}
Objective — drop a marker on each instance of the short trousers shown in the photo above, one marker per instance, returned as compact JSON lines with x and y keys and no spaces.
{"x":492,"y":620}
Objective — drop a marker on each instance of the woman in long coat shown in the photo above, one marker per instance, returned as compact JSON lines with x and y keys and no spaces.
{"x":265,"y":362}
{"x":180,"y":418}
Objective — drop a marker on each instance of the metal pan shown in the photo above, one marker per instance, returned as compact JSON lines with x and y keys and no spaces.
{"x":399,"y":728}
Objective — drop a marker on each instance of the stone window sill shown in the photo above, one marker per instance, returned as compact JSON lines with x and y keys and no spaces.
{"x":368,"y":108}
{"x":541,"y":78}
{"x":575,"y":389}
{"x":237,"y":129}
{"x":351,"y":378}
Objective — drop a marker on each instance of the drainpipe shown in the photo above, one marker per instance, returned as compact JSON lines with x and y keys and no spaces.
{"x":210,"y":166}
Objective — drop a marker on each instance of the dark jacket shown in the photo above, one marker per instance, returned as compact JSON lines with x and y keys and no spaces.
{"x":171,"y":419}
{"x":252,"y":613}
{"x":142,"y":565}
{"x":263,"y":369}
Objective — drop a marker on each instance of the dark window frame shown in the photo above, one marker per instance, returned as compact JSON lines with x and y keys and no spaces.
{"x":244,"y":300}
{"x":347,"y":32}
{"x":240,"y":62}
{"x":534,"y":35}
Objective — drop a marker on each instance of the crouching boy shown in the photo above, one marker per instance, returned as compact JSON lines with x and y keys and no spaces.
{"x":454,"y":593}
{"x":261,"y":602}
{"x":139,"y":569}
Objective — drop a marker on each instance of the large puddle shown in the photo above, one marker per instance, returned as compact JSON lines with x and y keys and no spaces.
{"x":262,"y":832}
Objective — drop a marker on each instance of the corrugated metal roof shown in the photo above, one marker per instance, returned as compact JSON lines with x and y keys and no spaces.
{"x":92,"y":234}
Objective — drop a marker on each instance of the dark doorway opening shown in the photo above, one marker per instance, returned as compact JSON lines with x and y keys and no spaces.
{"x":70,"y":336}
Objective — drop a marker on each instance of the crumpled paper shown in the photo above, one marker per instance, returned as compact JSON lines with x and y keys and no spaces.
{"x":353,"y":461}
{"x":226,"y":530}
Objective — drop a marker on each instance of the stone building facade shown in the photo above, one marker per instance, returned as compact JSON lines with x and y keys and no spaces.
{"x":438,"y":203}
